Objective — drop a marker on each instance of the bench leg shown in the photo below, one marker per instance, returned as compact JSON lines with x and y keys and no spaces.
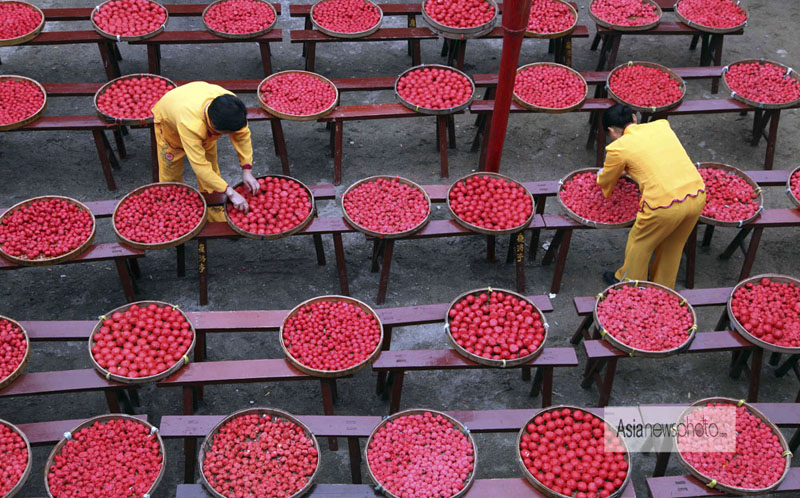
{"x":561,"y":262}
{"x":511,"y":249}
{"x":750,"y":256}
{"x":120,"y":142}
{"x":608,"y":383}
{"x":354,"y":451}
{"x":189,"y":403}
{"x":691,"y":258}
{"x":154,"y":175}
{"x":485,"y":143}
{"x":189,"y":456}
{"x":520,"y":261}
{"x":555,"y":243}
{"x":755,"y":375}
{"x":154,"y":58}
{"x":461,"y":54}
{"x":662,"y":461}
{"x":491,"y":243}
{"x":397,"y":391}
{"x":787,"y":366}
{"x":320,"y":251}
{"x":337,"y":152}
{"x":377,"y":250}
{"x":327,"y":407}
{"x":380,"y":387}
{"x":311,"y":55}
{"x":441,"y":141}
{"x":716,"y":56}
{"x":737,"y":242}
{"x":760,"y":120}
{"x":707,"y":235}
{"x":451,"y":131}
{"x":583,"y":330}
{"x":136,"y":272}
{"x":104,"y":154}
{"x":772,"y":138}
{"x":280,"y":144}
{"x":738,"y":362}
{"x":125,"y":280}
{"x":200,"y":347}
{"x":266,"y":57}
{"x":112,"y":400}
{"x":596,"y":41}
{"x":540,"y":204}
{"x":568,"y":51}
{"x":386,"y":266}
{"x":774,"y":359}
{"x":795,"y":441}
{"x":416,"y":53}
{"x":412,"y":23}
{"x":543,"y":383}
{"x":341,"y":264}
{"x":180,"y":260}
{"x":110,"y":63}
{"x":202,"y":270}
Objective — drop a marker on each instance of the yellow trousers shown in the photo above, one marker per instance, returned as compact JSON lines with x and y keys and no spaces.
{"x":663,"y":232}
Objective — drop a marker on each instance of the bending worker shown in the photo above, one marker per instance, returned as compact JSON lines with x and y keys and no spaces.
{"x":673,"y":194}
{"x":188,"y":121}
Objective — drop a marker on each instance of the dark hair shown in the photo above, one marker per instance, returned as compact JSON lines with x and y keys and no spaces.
{"x":618,"y":116}
{"x":227,"y":113}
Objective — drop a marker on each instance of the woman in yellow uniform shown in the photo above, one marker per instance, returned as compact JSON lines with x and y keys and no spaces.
{"x":673,"y":194}
{"x":188,"y":121}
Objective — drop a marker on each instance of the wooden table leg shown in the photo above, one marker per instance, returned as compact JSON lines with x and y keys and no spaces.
{"x":774,"y":359}
{"x":755,"y":375}
{"x":738,"y":362}
{"x":485,"y":142}
{"x":320,"y":251}
{"x":737,"y":242}
{"x":662,"y":461}
{"x":354,"y":452}
{"x":520,"y":261}
{"x":441,"y":140}
{"x":386,"y":266}
{"x":125,"y":280}
{"x":377,"y":250}
{"x":451,"y":131}
{"x":387,"y":344}
{"x":416,"y":53}
{"x":555,"y":243}
{"x":412,"y":23}
{"x":583,"y":330}
{"x":112,"y":401}
{"x":154,"y":173}
{"x":596,"y":41}
{"x":561,"y":262}
{"x":202,"y":270}
{"x":716,"y":55}
{"x":512,"y":247}
{"x":461,"y":54}
{"x":120,"y":142}
{"x":540,"y":204}
{"x":397,"y":391}
{"x":750,"y":256}
{"x":691,"y":258}
{"x":787,"y":366}
{"x":110,"y":63}
{"x":266,"y":57}
{"x":772,"y":138}
{"x":327,"y":407}
{"x":188,"y":400}
{"x":600,"y":145}
{"x":181,"y":260}
{"x":491,"y":243}
{"x":154,"y":58}
{"x":341,"y":264}
{"x":795,"y":441}
{"x":280,"y":144}
{"x":189,"y":456}
{"x":707,"y":235}
{"x":547,"y":386}
{"x":612,"y":54}
{"x":103,"y":154}
{"x":337,"y":155}
{"x":311,"y":54}
{"x":608,"y":382}
{"x":568,"y":51}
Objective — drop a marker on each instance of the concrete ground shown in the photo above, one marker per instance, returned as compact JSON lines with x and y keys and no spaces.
{"x":249,"y":274}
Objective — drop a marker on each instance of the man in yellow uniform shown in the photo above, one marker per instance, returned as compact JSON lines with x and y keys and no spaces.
{"x":188,"y":121}
{"x":673,"y":194}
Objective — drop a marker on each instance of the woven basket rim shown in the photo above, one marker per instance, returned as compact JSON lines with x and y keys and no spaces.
{"x":10,"y":378}
{"x":553,"y":110}
{"x":297,"y":117}
{"x":391,"y":235}
{"x":651,"y":110}
{"x":36,"y":115}
{"x":487,"y":231}
{"x":28,"y":468}
{"x":239,"y":36}
{"x":619,"y":27}
{"x":575,"y":216}
{"x":744,"y":176}
{"x":790,"y":72}
{"x":127,"y":121}
{"x":343,"y":34}
{"x":121,"y":38}
{"x":427,"y":110}
{"x":558,"y":34}
{"x":708,"y":29}
{"x":461,"y":33}
{"x":789,"y":192}
{"x":24,"y":38}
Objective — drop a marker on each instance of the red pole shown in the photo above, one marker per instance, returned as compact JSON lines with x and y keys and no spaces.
{"x":515,"y":20}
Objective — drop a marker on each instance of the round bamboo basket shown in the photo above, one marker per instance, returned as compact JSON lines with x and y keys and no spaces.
{"x":141,"y":380}
{"x":743,"y":331}
{"x":418,"y":411}
{"x":538,"y":484}
{"x":18,"y":371}
{"x":790,"y":73}
{"x":708,"y":29}
{"x":127,"y":121}
{"x":741,"y":174}
{"x":461,"y":33}
{"x":160,"y":245}
{"x":558,"y":34}
{"x":392,"y":235}
{"x":619,"y":27}
{"x":19,"y":40}
{"x":297,"y":117}
{"x":631,"y":351}
{"x":488,"y":361}
{"x":102,"y":419}
{"x":341,"y":34}
{"x":331,"y":373}
{"x":486,"y":231}
{"x":652,"y":110}
{"x":274,"y":413}
{"x":551,"y":110}
{"x":120,"y":38}
{"x":240,"y":36}
{"x":792,"y":197}
{"x":723,"y":487}
{"x":58,"y":259}
{"x":27,"y":472}
{"x":583,"y":221}
{"x":33,"y":117}
{"x":274,"y":236}
{"x":426,"y":110}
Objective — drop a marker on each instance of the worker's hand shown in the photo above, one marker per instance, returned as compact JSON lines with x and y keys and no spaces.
{"x":237,"y":200}
{"x":250,"y":181}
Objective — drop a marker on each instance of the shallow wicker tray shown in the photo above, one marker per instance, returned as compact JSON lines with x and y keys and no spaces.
{"x":741,"y":174}
{"x":240,"y":36}
{"x":273,"y":236}
{"x":418,"y":411}
{"x":722,"y":487}
{"x":7,"y":42}
{"x":461,"y":33}
{"x":486,"y":231}
{"x":792,"y":198}
{"x":618,"y":27}
{"x":551,"y":110}
{"x":27,"y":472}
{"x":393,"y":235}
{"x":58,"y":259}
{"x":128,"y":38}
{"x":16,"y":373}
{"x":629,"y":350}
{"x":651,"y":110}
{"x":160,"y":245}
{"x":557,"y":34}
{"x":295,"y":117}
{"x":538,"y":484}
{"x":743,"y":331}
{"x":340,"y":34}
{"x":126,"y":121}
{"x":141,"y":380}
{"x":709,"y":29}
{"x":583,"y":221}
{"x":434,"y":112}
{"x":332,"y":373}
{"x":33,"y":117}
{"x":791,"y":73}
{"x":274,"y":413}
{"x":488,"y":361}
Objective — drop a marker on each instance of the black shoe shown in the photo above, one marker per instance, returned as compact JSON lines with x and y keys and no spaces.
{"x":610,"y":278}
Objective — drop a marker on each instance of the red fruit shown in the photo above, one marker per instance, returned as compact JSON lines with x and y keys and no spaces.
{"x":14,"y":455}
{"x":158,"y":214}
{"x":490,"y":202}
{"x":279,"y":206}
{"x":712,"y":13}
{"x":550,"y":16}
{"x":435,"y":88}
{"x":644,"y":86}
{"x":346,"y":16}
{"x":728,"y":196}
{"x":13,"y":347}
{"x":386,"y":206}
{"x":130,"y":17}
{"x":299,"y":94}
{"x":460,"y":13}
{"x":794,"y":185}
{"x":584,"y":197}
{"x":625,"y":12}
{"x":549,"y":86}
{"x":17,"y":19}
{"x":766,"y":83}
{"x":19,"y":100}
{"x":133,"y":98}
{"x":770,"y":311}
{"x":239,"y":16}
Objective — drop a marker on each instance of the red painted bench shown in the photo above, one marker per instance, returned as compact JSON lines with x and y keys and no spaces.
{"x":49,"y":433}
{"x":687,"y":486}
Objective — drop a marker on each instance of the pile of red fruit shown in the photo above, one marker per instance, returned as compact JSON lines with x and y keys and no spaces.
{"x":299,"y":94}
{"x":497,"y":326}
{"x":420,"y":456}
{"x":718,"y":14}
{"x":133,"y":98}
{"x":386,"y":206}
{"x":118,"y":457}
{"x":583,"y":196}
{"x":574,"y":453}
{"x":14,"y":455}
{"x":346,"y":16}
{"x":766,"y":83}
{"x":331,"y":335}
{"x":142,"y":341}
{"x":644,"y":86}
{"x":239,"y":17}
{"x":13,"y":347}
{"x":435,"y":88}
{"x":554,"y":87}
{"x":158,"y":214}
{"x":490,"y":202}
{"x":260,"y":455}
{"x":794,"y":185}
{"x":280,"y":205}
{"x":45,"y":229}
{"x":646,"y":318}
{"x":130,"y":17}
{"x":550,"y":16}
{"x":460,"y":13}
{"x":19,"y":100}
{"x":625,"y":12}
{"x":17,"y":19}
{"x":728,"y":196}
{"x":770,"y":311}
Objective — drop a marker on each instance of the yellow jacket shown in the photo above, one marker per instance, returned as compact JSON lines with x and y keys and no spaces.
{"x":182,"y":115}
{"x":654,"y":157}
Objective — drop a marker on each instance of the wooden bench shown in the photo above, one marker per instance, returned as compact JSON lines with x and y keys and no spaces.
{"x":686,"y":486}
{"x":49,"y":433}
